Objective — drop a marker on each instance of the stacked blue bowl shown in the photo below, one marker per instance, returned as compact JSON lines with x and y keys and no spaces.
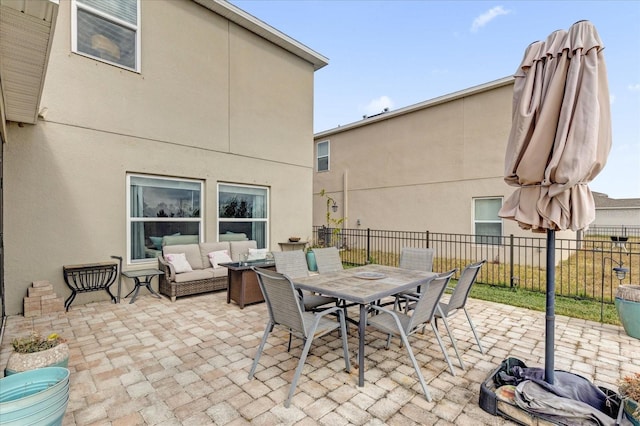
{"x":35,"y":397}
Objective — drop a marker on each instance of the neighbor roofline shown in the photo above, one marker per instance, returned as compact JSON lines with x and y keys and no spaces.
{"x":415,"y":107}
{"x":256,"y":26}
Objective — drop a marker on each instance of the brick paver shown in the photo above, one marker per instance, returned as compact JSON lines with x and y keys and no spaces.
{"x":160,"y":363}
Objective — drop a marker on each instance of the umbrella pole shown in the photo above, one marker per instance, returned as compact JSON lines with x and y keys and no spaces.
{"x":551,"y":312}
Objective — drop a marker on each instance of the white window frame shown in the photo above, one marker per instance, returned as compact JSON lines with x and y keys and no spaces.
{"x":265,"y":220}
{"x":131,"y":219}
{"x":77,"y":4}
{"x":475,"y":221}
{"x":328,"y":156}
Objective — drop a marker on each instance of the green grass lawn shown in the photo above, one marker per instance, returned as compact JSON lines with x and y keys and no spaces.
{"x":567,"y":306}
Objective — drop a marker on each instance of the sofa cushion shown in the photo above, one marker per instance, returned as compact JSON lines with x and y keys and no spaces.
{"x":157,"y":242}
{"x":219,"y":272}
{"x":217,"y":257}
{"x":239,"y":247}
{"x":191,"y":251}
{"x":200,"y":274}
{"x":171,"y":240}
{"x":206,"y":248}
{"x":232,"y":236}
{"x":257,"y":254}
{"x":179,"y":262}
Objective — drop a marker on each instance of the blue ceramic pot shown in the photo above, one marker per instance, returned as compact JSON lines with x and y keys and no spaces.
{"x":630,"y":406}
{"x":35,"y":397}
{"x":311,"y":261}
{"x":628,"y":311}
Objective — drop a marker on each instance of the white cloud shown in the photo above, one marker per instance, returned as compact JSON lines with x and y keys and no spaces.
{"x":376,"y":106}
{"x":487,"y":17}
{"x":634,"y":87}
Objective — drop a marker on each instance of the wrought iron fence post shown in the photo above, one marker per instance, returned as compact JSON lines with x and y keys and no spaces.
{"x":428,"y":239}
{"x":512,"y":280}
{"x":368,"y":245}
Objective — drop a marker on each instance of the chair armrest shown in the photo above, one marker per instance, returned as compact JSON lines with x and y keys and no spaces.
{"x":328,"y":311}
{"x":169,"y":270}
{"x":394,"y":315}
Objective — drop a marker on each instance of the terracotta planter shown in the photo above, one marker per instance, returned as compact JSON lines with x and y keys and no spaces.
{"x":628,"y":307}
{"x":57,"y":356}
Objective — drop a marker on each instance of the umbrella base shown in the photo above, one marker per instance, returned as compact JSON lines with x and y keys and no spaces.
{"x":497,"y":399}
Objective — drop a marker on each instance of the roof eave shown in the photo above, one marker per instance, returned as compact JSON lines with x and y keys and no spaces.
{"x":256,"y":26}
{"x":415,"y":107}
{"x":26,"y":35}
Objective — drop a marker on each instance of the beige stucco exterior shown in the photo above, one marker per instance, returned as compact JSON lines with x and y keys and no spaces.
{"x":213,"y":102}
{"x":421,"y":167}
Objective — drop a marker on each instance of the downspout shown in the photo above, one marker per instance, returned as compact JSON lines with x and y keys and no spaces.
{"x":345,"y":186}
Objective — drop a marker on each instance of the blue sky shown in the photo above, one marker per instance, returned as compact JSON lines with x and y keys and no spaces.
{"x":398,"y":53}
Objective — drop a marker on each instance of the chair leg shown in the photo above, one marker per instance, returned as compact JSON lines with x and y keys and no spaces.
{"x":473,"y":329}
{"x":298,"y":373}
{"x":403,"y":337}
{"x":289,"y":344}
{"x":345,"y":347}
{"x":444,"y":351}
{"x":453,"y":341}
{"x":267,"y":330}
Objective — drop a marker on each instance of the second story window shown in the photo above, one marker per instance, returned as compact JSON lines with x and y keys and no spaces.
{"x":108,"y":30}
{"x":322,"y":163}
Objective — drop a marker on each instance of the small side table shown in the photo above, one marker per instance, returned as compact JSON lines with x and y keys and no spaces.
{"x":288,"y":245}
{"x":142,"y":278}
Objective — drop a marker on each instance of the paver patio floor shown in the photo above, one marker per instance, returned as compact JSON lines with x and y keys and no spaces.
{"x":160,"y":363}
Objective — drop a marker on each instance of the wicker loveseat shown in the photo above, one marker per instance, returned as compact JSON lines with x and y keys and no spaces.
{"x":203,"y":278}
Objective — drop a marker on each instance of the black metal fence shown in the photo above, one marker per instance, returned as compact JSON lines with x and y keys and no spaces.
{"x":613,"y":231}
{"x":584,"y":266}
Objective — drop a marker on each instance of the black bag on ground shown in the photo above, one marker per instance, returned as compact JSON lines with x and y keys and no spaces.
{"x":505,"y":375}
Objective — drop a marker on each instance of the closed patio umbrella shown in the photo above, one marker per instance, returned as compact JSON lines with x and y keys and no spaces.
{"x":559,"y":141}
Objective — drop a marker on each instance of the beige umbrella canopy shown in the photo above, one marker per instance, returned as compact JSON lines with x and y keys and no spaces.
{"x":561,"y":131}
{"x":560,"y":139}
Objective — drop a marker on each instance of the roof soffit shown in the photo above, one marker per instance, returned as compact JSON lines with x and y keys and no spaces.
{"x":26,"y":32}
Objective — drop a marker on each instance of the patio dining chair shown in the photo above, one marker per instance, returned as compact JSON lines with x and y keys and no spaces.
{"x":417,"y":259}
{"x":395,"y":322}
{"x":328,"y":260}
{"x":294,"y":265}
{"x":285,"y":310}
{"x":459,"y":296}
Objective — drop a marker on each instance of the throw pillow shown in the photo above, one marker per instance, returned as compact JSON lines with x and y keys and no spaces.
{"x":179,"y":262}
{"x":257,"y":254}
{"x":157,"y":242}
{"x":217,"y":257}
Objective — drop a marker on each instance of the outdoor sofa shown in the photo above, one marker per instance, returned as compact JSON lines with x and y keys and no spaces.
{"x":202,"y":277}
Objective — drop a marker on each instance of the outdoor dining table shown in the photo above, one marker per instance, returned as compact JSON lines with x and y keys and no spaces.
{"x":364,"y":285}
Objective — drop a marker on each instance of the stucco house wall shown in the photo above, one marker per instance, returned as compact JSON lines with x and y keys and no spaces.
{"x":421,"y":167}
{"x":616,"y":211}
{"x":214,"y":101}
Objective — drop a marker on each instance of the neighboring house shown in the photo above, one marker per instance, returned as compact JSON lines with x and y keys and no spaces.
{"x":437,"y":166}
{"x":124,"y":121}
{"x":621,"y":212}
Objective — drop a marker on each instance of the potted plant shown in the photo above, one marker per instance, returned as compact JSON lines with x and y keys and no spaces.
{"x":35,"y":351}
{"x":629,"y":387}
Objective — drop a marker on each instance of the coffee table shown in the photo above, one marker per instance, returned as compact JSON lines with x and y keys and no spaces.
{"x":243,"y":285}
